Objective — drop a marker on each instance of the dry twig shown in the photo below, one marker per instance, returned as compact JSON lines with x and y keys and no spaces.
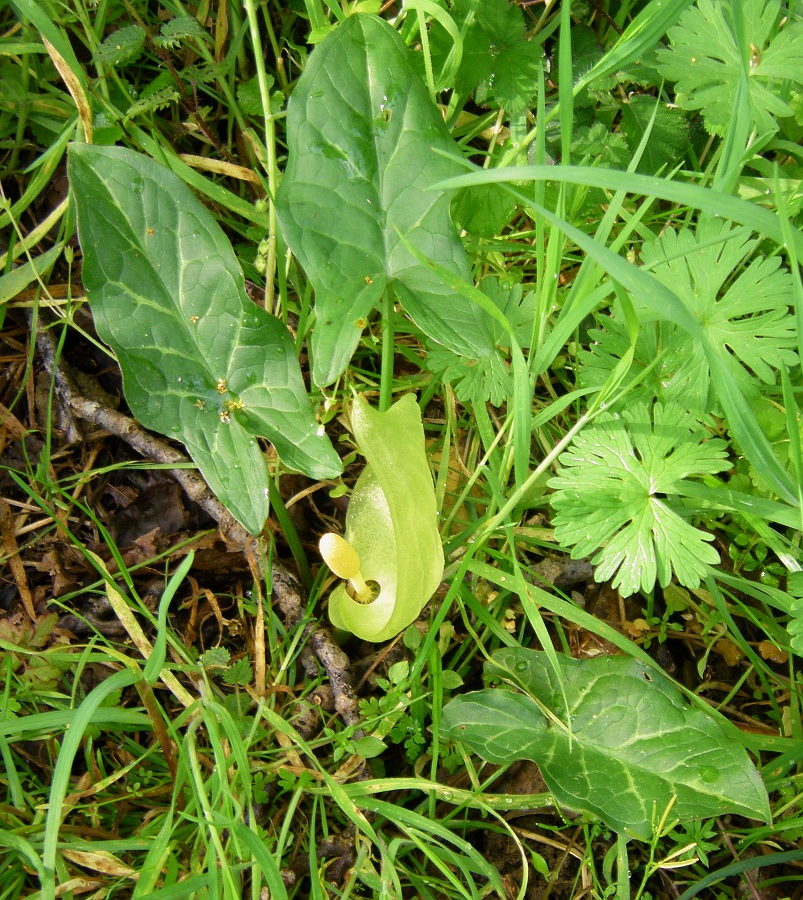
{"x":286,"y":587}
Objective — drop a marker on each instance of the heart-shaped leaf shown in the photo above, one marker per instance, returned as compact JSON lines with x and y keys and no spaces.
{"x":631,"y":746}
{"x":391,"y":523}
{"x":200,"y":361}
{"x":365,"y":146}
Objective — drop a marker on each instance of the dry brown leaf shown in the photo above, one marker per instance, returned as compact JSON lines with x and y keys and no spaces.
{"x":772,"y":652}
{"x":100,"y":861}
{"x":728,"y":651}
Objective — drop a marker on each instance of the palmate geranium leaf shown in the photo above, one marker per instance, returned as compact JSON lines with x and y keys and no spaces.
{"x":746,"y":314}
{"x":614,"y":494}
{"x":629,"y":748}
{"x":680,"y":374}
{"x":475,"y":381}
{"x":200,"y":361}
{"x":749,"y":317}
{"x":498,"y":63}
{"x":366,"y":145}
{"x":707,"y":62}
{"x":490,"y":379}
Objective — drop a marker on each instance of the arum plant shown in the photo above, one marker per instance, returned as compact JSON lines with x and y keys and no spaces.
{"x":366,"y":145}
{"x":391,"y":557}
{"x":200,"y":361}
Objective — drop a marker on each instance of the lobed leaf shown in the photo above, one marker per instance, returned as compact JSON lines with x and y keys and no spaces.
{"x":489,"y":379}
{"x":622,"y":746}
{"x":658,"y":297}
{"x":743,"y":308}
{"x":707,"y":61}
{"x":200,"y":361}
{"x":614,"y":492}
{"x":494,"y":47}
{"x":747,"y":315}
{"x":668,"y":132}
{"x":596,"y":143}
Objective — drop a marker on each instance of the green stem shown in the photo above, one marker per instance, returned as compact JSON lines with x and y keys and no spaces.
{"x":435,"y":671}
{"x":290,"y":534}
{"x":520,"y":493}
{"x":270,"y":145}
{"x":622,"y":868}
{"x":388,"y":352}
{"x":22,"y":122}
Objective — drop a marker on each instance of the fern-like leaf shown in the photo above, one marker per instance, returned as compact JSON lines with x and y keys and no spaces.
{"x":121,"y":46}
{"x":175,"y":31}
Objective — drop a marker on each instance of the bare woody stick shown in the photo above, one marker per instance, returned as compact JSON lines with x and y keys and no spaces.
{"x":285,"y":586}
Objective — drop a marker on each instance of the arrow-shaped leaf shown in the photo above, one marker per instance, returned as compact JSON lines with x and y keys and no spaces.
{"x":200,"y":361}
{"x":631,"y":744}
{"x":365,"y":146}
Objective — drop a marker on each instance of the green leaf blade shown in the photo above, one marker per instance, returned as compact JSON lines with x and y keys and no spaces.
{"x":168,"y":296}
{"x":632,"y":748}
{"x":364,"y":138}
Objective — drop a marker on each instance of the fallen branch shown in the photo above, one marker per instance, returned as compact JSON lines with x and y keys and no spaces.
{"x":286,"y":587}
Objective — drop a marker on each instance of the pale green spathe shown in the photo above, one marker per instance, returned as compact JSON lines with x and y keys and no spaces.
{"x":392,"y":523}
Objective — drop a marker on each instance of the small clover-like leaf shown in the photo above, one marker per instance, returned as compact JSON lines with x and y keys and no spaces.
{"x":705,"y":59}
{"x":614,"y":494}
